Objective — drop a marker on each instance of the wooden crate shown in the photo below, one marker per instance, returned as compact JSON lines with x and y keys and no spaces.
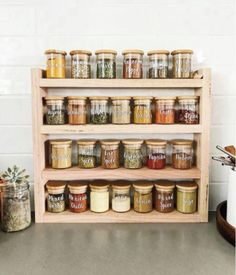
{"x":201,"y":86}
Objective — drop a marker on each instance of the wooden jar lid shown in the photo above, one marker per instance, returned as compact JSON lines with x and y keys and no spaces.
{"x":98,"y":97}
{"x":56,"y":186}
{"x":55,"y":51}
{"x":158,"y":52}
{"x":61,"y":142}
{"x":77,"y":187}
{"x":52,"y":98}
{"x":156,"y":142}
{"x":183,"y":51}
{"x":132,"y":141}
{"x":120,"y":98}
{"x":121,"y":185}
{"x":187,"y":142}
{"x":86,"y":141}
{"x":80,"y":52}
{"x":187,"y":186}
{"x":142,"y":97}
{"x":106,"y":51}
{"x":133,"y":51}
{"x":99,"y":185}
{"x":143,"y":186}
{"x":165,"y":185}
{"x":110,"y":142}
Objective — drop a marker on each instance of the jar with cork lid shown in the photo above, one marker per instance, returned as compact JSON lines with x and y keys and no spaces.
{"x":164,"y":196}
{"x":99,"y":196}
{"x":143,"y":197}
{"x":110,"y":153}
{"x":142,"y":110}
{"x":55,"y":110}
{"x":165,"y":110}
{"x":99,"y":110}
{"x":182,"y":153}
{"x":78,"y":196}
{"x":121,"y":109}
{"x":56,"y":63}
{"x":133,"y":157}
{"x":80,"y":64}
{"x":61,"y":153}
{"x":182,"y":63}
{"x":156,"y":153}
{"x":188,"y":109}
{"x":77,"y":110}
{"x":86,"y":153}
{"x":121,"y":196}
{"x":158,"y":63}
{"x":56,"y":196}
{"x":106,"y":64}
{"x":133,"y":64}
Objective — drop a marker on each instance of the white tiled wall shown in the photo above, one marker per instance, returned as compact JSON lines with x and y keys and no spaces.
{"x":28,"y":27}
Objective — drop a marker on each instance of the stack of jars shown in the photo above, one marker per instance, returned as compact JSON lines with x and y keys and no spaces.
{"x":96,"y":196}
{"x":159,"y":64}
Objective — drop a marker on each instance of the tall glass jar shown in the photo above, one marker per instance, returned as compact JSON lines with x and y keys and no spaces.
{"x":78,"y":201}
{"x":110,"y":156}
{"x":165,"y":110}
{"x":182,"y":153}
{"x":121,"y":197}
{"x":158,"y":63}
{"x":61,"y":153}
{"x":143,"y":110}
{"x":80,"y":64}
{"x":77,"y":110}
{"x":15,"y":207}
{"x":133,"y":157}
{"x":156,"y":153}
{"x":86,"y":153}
{"x":164,"y":197}
{"x":143,"y":197}
{"x":182,"y":64}
{"x":121,"y":110}
{"x":55,"y":110}
{"x":56,"y":64}
{"x":106,"y":63}
{"x":99,"y":110}
{"x":187,"y":197}
{"x":188,"y":110}
{"x":99,"y":197}
{"x":56,"y":201}
{"x":133,"y":64}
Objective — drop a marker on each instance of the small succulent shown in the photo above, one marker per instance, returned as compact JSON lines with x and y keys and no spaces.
{"x":14,"y":175}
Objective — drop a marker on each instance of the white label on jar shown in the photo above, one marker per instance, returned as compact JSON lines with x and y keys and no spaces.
{"x":165,"y":197}
{"x":61,"y":157}
{"x":76,"y":112}
{"x":183,"y":157}
{"x":99,"y":201}
{"x":129,"y":156}
{"x":157,"y":157}
{"x":54,"y":113}
{"x":165,"y":205}
{"x":188,"y":202}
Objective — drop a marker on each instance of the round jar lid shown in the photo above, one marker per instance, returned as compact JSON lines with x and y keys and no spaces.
{"x":132,"y":141}
{"x":61,"y":142}
{"x":55,"y":185}
{"x":143,"y":186}
{"x":183,"y":98}
{"x":121,"y":185}
{"x":159,"y":142}
{"x":143,"y":98}
{"x":76,"y":97}
{"x":182,"y":142}
{"x":51,"y":98}
{"x":183,"y":51}
{"x":165,"y":185}
{"x":106,"y":51}
{"x":158,"y":52}
{"x":120,"y":98}
{"x":166,"y":98}
{"x":80,"y":52}
{"x":110,"y":142}
{"x":99,"y":185}
{"x":86,"y":141}
{"x":134,"y":51}
{"x":99,"y":98}
{"x":77,"y":187}
{"x":187,"y":186}
{"x":55,"y":51}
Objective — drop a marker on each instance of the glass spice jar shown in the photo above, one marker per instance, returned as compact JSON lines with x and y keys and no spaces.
{"x":56,"y":196}
{"x":121,"y":110}
{"x":77,"y":196}
{"x":55,"y":110}
{"x":164,"y":197}
{"x":15,"y":207}
{"x":182,"y":64}
{"x":133,"y":157}
{"x":99,"y":110}
{"x":56,"y":64}
{"x":143,"y":197}
{"x":86,"y":153}
{"x":188,"y":109}
{"x":121,"y":197}
{"x":80,"y":64}
{"x":156,"y":153}
{"x":187,"y":197}
{"x":77,"y":110}
{"x":133,"y":64}
{"x":182,"y":155}
{"x":110,"y":155}
{"x":158,"y":63}
{"x":99,"y":197}
{"x":165,"y":110}
{"x":61,"y":153}
{"x":106,"y":63}
{"x":143,"y":110}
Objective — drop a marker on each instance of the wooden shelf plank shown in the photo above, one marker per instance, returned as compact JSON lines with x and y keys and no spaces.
{"x":113,"y":217}
{"x":144,"y":173}
{"x":121,"y":129}
{"x":120,"y":83}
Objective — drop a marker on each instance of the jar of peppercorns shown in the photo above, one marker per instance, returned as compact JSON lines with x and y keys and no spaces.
{"x":86,"y":153}
{"x":99,"y":110}
{"x":188,"y":110}
{"x":77,"y":110}
{"x":106,"y":63}
{"x":133,"y":63}
{"x":165,"y":110}
{"x":182,"y":64}
{"x":110,"y":156}
{"x":164,"y":197}
{"x":158,"y":63}
{"x":78,"y":197}
{"x":55,"y":110}
{"x":80,"y":64}
{"x":156,"y":153}
{"x":142,"y":110}
{"x":133,"y":157}
{"x":56,"y":64}
{"x":182,"y":153}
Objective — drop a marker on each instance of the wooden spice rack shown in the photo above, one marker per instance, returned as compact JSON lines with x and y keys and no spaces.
{"x":201,"y":86}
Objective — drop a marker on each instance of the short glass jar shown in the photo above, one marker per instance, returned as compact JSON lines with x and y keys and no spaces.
{"x":143,"y":110}
{"x":158,"y":63}
{"x":182,"y":153}
{"x":165,"y":110}
{"x":56,"y":202}
{"x":133,"y":63}
{"x":86,"y":153}
{"x":99,"y":110}
{"x":133,"y":157}
{"x":78,"y":197}
{"x":156,"y":153}
{"x":121,"y":110}
{"x":61,"y":153}
{"x":143,"y":197}
{"x":182,"y":64}
{"x":55,"y":110}
{"x":56,"y":64}
{"x":106,"y":63}
{"x":188,"y":110}
{"x":121,"y":197}
{"x":164,"y":196}
{"x":187,"y":197}
{"x":110,"y":154}
{"x":99,"y":197}
{"x":15,"y":207}
{"x":80,"y":64}
{"x":77,"y":110}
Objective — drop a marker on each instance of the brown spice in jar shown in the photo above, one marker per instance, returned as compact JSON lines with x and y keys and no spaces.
{"x":133,"y":64}
{"x":77,"y":110}
{"x":110,"y":156}
{"x":142,"y":202}
{"x":164,"y":199}
{"x":181,"y":161}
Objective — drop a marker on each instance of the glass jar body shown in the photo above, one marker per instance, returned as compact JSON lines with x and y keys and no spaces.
{"x":186,"y":201}
{"x":156,"y":156}
{"x":106,"y":65}
{"x":165,"y":111}
{"x":61,"y":156}
{"x":80,"y":66}
{"x":56,"y":65}
{"x":164,"y":200}
{"x":158,"y":66}
{"x":99,"y":112}
{"x":86,"y":156}
{"x":56,"y":202}
{"x":142,"y":201}
{"x":182,"y":65}
{"x":188,"y":111}
{"x":77,"y":112}
{"x":55,"y":112}
{"x":133,"y":157}
{"x":182,"y":157}
{"x":142,"y":111}
{"x":99,"y":200}
{"x":110,"y":156}
{"x":121,"y":111}
{"x":121,"y":200}
{"x":77,"y":201}
{"x":133,"y":66}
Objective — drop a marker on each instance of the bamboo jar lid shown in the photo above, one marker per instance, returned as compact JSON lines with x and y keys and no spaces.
{"x":55,"y":187}
{"x":133,"y":51}
{"x":165,"y":185}
{"x":78,"y":187}
{"x":50,"y":51}
{"x":99,"y":185}
{"x":156,"y":142}
{"x":187,"y":186}
{"x":153,"y":52}
{"x":132,"y":141}
{"x":186,"y":142}
{"x":61,"y":142}
{"x":182,"y":51}
{"x":86,"y":141}
{"x":121,"y":185}
{"x":106,"y":51}
{"x":143,"y":186}
{"x":110,"y":142}
{"x":80,"y":52}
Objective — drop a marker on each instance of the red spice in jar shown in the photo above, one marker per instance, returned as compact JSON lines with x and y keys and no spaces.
{"x":78,"y":202}
{"x":156,"y":161}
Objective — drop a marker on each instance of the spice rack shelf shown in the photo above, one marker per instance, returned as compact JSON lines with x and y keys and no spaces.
{"x":201,"y":85}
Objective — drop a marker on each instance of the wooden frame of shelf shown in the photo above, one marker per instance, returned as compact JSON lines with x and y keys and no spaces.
{"x":41,"y":132}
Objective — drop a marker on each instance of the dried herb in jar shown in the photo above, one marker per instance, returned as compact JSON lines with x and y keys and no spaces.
{"x":133,"y":158}
{"x":106,"y":63}
{"x":158,"y":63}
{"x":80,"y":64}
{"x":182,"y":63}
{"x":100,"y":118}
{"x":55,"y":112}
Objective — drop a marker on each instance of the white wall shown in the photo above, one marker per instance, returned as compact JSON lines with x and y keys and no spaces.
{"x":28,"y":27}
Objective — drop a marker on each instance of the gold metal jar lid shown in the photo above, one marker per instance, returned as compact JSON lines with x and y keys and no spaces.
{"x":132,"y":141}
{"x":80,"y":52}
{"x":183,"y":51}
{"x":55,"y":51}
{"x":110,"y":142}
{"x":121,"y":98}
{"x":187,"y":142}
{"x":99,"y":98}
{"x":86,"y":141}
{"x":158,"y":52}
{"x":61,"y":142}
{"x":143,"y":186}
{"x":133,"y":51}
{"x":56,"y":186}
{"x":53,"y":98}
{"x":121,"y":185}
{"x":187,"y":186}
{"x":106,"y":51}
{"x":165,"y":185}
{"x":156,"y":142}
